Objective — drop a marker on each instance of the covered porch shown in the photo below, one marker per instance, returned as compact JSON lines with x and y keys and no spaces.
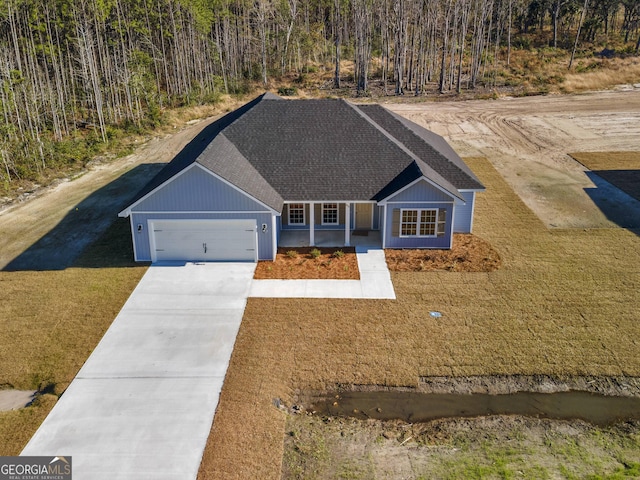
{"x":330,"y":224}
{"x":330,"y":238}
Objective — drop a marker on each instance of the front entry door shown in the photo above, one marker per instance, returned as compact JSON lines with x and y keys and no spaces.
{"x":364,"y":216}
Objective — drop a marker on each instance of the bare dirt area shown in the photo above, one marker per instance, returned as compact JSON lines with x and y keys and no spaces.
{"x":528,"y":140}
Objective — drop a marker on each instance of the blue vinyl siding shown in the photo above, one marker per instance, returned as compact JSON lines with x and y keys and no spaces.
{"x":422,"y":191}
{"x":141,"y":243}
{"x":197,"y":190}
{"x":377,"y":215}
{"x":279,"y":228}
{"x":415,"y":242}
{"x":463,"y":220}
{"x":421,"y":195}
{"x":197,"y":194}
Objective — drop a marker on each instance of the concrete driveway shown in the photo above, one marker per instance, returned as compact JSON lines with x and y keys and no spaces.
{"x":142,"y":405}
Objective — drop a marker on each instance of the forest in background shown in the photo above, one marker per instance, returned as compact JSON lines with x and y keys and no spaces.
{"x":78,"y":74}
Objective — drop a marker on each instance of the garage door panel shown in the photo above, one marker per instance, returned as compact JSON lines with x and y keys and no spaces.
{"x":204,"y":240}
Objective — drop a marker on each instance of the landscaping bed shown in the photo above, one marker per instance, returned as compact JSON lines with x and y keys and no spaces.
{"x":468,"y":254}
{"x":311,"y":263}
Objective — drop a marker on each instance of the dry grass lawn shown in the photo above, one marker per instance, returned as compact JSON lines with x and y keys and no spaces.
{"x":607,"y":73}
{"x":52,"y":321}
{"x":621,"y":169}
{"x":563,"y":302}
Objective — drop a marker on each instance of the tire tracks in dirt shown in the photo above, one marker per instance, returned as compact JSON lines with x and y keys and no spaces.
{"x":528,"y":139}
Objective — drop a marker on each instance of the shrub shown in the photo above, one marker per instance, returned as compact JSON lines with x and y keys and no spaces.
{"x":287,"y":91}
{"x":338,"y":254}
{"x":292,"y":254}
{"x":315,"y":253}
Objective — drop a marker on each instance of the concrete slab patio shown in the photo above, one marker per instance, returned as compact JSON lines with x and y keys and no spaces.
{"x":142,"y":405}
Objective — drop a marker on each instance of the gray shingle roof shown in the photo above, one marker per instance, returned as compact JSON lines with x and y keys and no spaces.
{"x":319,"y":150}
{"x":428,"y":146}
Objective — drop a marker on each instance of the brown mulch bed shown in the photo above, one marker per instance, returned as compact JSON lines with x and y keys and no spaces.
{"x":468,"y":254}
{"x":302,"y":265}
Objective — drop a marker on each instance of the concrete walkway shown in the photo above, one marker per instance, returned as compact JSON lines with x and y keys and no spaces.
{"x":142,"y":405}
{"x":375,"y":282}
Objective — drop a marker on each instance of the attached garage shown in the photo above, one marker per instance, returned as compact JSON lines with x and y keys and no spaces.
{"x":203,"y":240}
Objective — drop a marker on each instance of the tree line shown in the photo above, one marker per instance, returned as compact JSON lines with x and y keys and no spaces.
{"x":72,"y":66}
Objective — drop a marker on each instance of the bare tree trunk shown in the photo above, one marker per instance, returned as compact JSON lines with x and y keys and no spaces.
{"x":261,"y":16}
{"x":338,"y":40}
{"x":556,"y":15}
{"x":362,"y":27}
{"x":463,"y":35}
{"x":509,"y":35}
{"x":400,"y":39}
{"x":575,"y":44}
{"x":445,"y":46}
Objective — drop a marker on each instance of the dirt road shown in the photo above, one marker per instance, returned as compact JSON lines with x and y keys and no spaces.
{"x":528,"y":139}
{"x":48,"y":232}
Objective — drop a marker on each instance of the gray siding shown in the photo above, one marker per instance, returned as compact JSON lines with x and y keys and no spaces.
{"x":196,"y":190}
{"x":141,"y":242}
{"x":398,"y":242}
{"x":463,"y":220}
{"x":420,"y":192}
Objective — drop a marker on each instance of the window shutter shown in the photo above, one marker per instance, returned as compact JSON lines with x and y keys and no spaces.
{"x":318,"y":213}
{"x":285,"y":215}
{"x":442,"y":222}
{"x":395,"y":223}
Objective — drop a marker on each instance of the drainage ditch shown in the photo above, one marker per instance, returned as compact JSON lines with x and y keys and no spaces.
{"x":413,"y":405}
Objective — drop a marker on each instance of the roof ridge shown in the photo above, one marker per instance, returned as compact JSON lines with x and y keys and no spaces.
{"x":401,"y":120}
{"x":421,"y":164}
{"x":240,"y":112}
{"x":270,"y":96}
{"x":382,"y":130}
{"x":273,"y":200}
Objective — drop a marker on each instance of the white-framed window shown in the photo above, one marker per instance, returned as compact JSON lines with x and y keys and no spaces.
{"x":419,"y":222}
{"x":296,"y":214}
{"x":329,"y":214}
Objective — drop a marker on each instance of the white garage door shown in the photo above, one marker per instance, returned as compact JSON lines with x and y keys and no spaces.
{"x":203,"y":240}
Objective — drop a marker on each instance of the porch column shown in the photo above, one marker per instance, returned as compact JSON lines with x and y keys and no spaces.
{"x":347,"y":224}
{"x":312,"y":223}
